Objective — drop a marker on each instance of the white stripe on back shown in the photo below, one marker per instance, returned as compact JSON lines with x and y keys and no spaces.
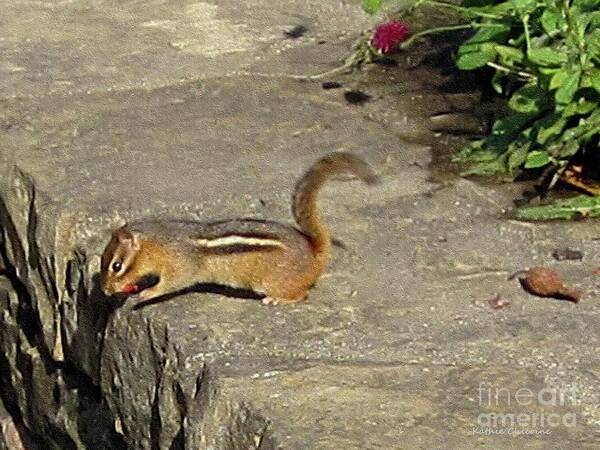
{"x":238,"y":240}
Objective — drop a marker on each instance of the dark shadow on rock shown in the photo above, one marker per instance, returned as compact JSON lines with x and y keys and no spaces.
{"x":81,"y":369}
{"x":95,"y":422}
{"x":25,"y":321}
{"x":203,"y":288}
{"x":9,"y":396}
{"x":27,"y":412}
{"x":25,"y":316}
{"x":94,"y":310}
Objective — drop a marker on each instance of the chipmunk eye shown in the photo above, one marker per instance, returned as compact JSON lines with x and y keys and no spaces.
{"x":116,"y":266}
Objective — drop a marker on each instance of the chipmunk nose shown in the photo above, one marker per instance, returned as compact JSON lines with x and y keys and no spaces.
{"x":106,"y":288}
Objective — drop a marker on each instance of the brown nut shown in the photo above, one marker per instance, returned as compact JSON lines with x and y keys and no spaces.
{"x":545,"y":282}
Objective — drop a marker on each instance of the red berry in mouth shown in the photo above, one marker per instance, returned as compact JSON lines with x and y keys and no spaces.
{"x":130,"y":289}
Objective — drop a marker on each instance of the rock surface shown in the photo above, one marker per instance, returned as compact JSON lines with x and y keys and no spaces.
{"x":120,"y":110}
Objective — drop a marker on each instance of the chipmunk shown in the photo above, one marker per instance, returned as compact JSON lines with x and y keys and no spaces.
{"x":149,"y":259}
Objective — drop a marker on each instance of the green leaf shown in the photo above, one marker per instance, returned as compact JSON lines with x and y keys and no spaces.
{"x":585,"y":106}
{"x":471,"y":61}
{"x":546,"y":56}
{"x":595,"y":22}
{"x":517,"y":156}
{"x":569,"y":149}
{"x":565,"y":149}
{"x":573,"y":208}
{"x":509,"y":55}
{"x":558,"y":79}
{"x":486,"y":168}
{"x":496,"y":32}
{"x":506,"y":130}
{"x":587,"y":5}
{"x":594,"y":78}
{"x":467,"y":150}
{"x":537,"y":159}
{"x":371,"y":6}
{"x":473,"y":153}
{"x":500,"y":9}
{"x":565,"y":93}
{"x":585,"y":19}
{"x":548,"y":71}
{"x":469,"y":48}
{"x":529,"y":99}
{"x":474,"y":56}
{"x":550,"y":126}
{"x":524,"y":5}
{"x":579,"y":108}
{"x":552,"y":20}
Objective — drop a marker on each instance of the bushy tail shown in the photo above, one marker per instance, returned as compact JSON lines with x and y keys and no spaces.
{"x":304,"y":199}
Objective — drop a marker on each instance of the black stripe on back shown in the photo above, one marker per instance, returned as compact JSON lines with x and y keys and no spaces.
{"x":238,"y":248}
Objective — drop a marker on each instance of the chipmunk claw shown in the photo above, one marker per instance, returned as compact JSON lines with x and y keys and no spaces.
{"x":270,"y":301}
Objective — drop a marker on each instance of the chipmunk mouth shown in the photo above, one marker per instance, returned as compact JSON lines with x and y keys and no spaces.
{"x":146,"y":282}
{"x":143,"y":283}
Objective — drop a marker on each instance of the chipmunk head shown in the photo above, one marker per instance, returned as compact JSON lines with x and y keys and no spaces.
{"x":117,"y":262}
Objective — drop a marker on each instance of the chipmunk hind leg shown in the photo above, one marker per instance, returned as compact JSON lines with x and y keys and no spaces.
{"x":288,"y":278}
{"x":285,"y":291}
{"x":274,"y":301}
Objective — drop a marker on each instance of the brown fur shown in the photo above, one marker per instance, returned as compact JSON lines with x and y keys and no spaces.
{"x":304,"y":199}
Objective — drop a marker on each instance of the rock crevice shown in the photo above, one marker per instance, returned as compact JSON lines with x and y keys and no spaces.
{"x":110,"y":378}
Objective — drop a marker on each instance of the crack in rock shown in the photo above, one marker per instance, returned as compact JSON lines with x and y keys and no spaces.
{"x":78,"y":373}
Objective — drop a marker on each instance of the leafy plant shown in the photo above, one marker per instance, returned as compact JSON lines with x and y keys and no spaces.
{"x":545,"y":56}
{"x":573,"y":208}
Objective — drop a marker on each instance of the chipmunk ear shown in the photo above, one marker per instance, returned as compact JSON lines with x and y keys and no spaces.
{"x":127,"y":238}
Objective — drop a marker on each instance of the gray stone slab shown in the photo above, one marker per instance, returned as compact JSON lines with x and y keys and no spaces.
{"x":86,"y":46}
{"x":197,"y":143}
{"x":407,"y":406}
